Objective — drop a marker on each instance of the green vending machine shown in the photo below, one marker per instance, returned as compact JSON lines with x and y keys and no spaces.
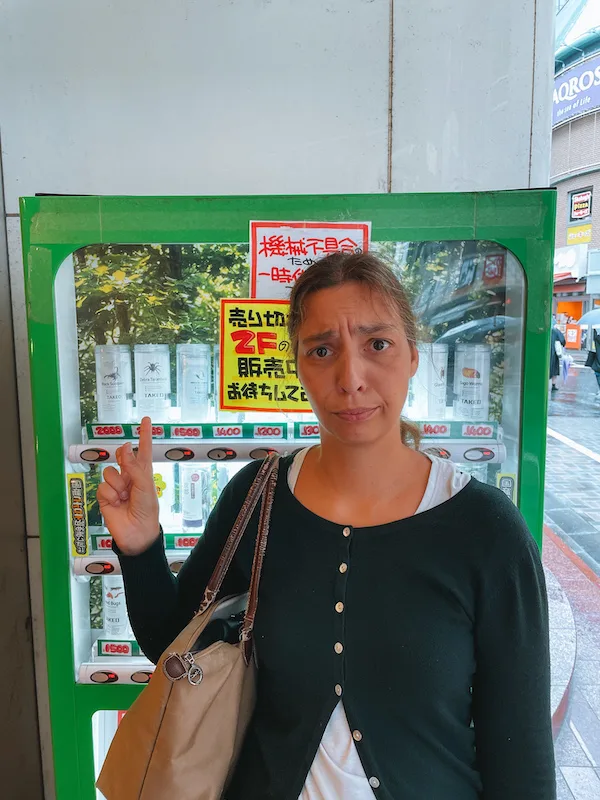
{"x":175,"y":307}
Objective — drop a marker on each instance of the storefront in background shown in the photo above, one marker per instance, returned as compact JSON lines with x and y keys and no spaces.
{"x":571,"y":298}
{"x":575,"y":172}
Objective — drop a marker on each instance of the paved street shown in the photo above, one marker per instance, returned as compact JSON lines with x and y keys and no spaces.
{"x":572,"y":507}
{"x":572,"y":511}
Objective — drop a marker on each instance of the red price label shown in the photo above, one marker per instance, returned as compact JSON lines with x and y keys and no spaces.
{"x":265,"y":432}
{"x":116,"y":649}
{"x":479,"y":431}
{"x":220,"y":432}
{"x":107,"y":430}
{"x":428,"y":429}
{"x":186,"y":542}
{"x":186,"y":433}
{"x":309,"y":430}
{"x":158,"y":432}
{"x":104,"y":543}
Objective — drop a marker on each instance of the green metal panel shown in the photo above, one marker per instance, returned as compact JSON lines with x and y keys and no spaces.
{"x":54,"y":227}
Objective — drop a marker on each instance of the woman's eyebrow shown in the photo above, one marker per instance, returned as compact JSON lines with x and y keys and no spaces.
{"x":363,"y":330}
{"x":376,"y":327}
{"x":319,"y":337}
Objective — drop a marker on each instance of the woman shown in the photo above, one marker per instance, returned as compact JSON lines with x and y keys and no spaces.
{"x":399,"y":602}
{"x":557,"y":342}
{"x":593,"y":360}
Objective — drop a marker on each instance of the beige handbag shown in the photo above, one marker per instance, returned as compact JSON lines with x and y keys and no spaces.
{"x":182,"y":736}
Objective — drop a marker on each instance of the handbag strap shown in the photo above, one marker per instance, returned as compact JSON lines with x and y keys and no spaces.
{"x":257,"y":563}
{"x":254,"y":493}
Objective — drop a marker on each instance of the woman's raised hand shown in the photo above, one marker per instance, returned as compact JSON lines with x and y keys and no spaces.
{"x":128,"y":500}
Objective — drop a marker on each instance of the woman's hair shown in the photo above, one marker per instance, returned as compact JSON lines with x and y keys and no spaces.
{"x":364,"y":268}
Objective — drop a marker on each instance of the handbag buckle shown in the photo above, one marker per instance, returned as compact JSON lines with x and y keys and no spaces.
{"x":176,"y":666}
{"x":195,"y":675}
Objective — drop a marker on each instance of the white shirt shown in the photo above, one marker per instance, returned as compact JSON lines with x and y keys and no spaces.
{"x":337,"y":771}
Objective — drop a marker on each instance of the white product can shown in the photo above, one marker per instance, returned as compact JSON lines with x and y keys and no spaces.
{"x":114,"y":388}
{"x":193,"y":381}
{"x":472,"y":381}
{"x":152,"y":381}
{"x":195,"y":495}
{"x":429,"y":383}
{"x":114,"y":608}
{"x":222,"y":416}
{"x":223,"y":478}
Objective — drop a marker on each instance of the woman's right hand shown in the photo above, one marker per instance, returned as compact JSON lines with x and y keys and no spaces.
{"x":128,"y":500}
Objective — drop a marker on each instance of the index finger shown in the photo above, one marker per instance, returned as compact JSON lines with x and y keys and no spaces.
{"x":145,"y":445}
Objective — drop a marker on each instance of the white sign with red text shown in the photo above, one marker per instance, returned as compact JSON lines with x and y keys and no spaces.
{"x":158,"y":432}
{"x":281,"y":251}
{"x":478,"y":431}
{"x":433,"y":429}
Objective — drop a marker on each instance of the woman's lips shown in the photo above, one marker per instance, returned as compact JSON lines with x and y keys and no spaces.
{"x":356,"y":414}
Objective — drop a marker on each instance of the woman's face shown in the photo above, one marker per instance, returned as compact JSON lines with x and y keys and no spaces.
{"x":355,"y":362}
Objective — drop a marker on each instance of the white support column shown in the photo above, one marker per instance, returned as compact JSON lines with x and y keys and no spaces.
{"x":472,"y":95}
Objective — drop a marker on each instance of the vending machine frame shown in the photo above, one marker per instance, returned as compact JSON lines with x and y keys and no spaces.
{"x":55,"y":226}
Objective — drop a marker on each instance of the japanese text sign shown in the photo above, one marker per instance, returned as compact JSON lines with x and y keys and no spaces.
{"x":78,"y":514}
{"x":281,"y":251}
{"x":257,"y":370}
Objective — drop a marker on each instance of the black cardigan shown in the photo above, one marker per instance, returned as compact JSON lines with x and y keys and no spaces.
{"x":444,"y":623}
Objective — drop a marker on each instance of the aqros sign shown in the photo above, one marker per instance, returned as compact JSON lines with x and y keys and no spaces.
{"x":576,"y":91}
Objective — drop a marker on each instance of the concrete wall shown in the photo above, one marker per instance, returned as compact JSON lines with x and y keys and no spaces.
{"x":262,"y":96}
{"x":589,"y":180}
{"x":575,"y":147}
{"x":575,"y":164}
{"x":236,"y":96}
{"x":20,"y":762}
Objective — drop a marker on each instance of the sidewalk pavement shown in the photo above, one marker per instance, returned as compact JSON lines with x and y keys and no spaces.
{"x":574,"y":605}
{"x":571,"y":555}
{"x":572,"y":507}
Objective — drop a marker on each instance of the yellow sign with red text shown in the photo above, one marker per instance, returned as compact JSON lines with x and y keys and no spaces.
{"x":257,"y":368}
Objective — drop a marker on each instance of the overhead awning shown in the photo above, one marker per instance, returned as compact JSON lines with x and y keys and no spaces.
{"x":563,"y":276}
{"x":569,"y":285}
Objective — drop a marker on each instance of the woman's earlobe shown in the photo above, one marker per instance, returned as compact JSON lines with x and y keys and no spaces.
{"x":414,"y":361}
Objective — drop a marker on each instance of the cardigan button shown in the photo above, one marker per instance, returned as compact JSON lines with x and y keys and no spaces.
{"x":338,"y":690}
{"x":374,"y":783}
{"x":343,"y":567}
{"x":357,"y":736}
{"x":346,"y":532}
{"x":339,"y":607}
{"x":338,"y":647}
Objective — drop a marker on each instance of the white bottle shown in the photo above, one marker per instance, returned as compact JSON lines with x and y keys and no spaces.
{"x":152,"y":381}
{"x":114,"y":388}
{"x":429,"y":384}
{"x":472,"y":381}
{"x":114,"y":608}
{"x":222,"y":416}
{"x":195,"y":496}
{"x":223,"y":478}
{"x":193,"y":381}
